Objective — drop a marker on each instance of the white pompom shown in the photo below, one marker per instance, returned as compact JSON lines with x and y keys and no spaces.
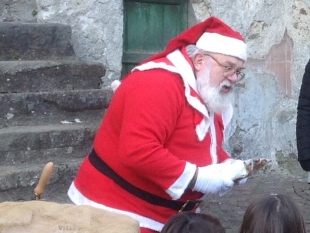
{"x":115,"y":84}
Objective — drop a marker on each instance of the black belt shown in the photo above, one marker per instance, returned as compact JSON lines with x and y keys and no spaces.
{"x":101,"y":166}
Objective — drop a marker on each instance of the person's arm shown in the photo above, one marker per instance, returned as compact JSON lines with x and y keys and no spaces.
{"x":151,"y":114}
{"x":152,"y":106}
{"x":218,"y":178}
{"x":303,"y":120}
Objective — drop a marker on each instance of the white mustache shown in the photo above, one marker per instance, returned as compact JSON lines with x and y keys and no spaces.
{"x":226,"y":83}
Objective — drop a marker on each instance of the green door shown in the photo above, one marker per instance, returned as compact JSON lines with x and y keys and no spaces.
{"x":148,"y":27}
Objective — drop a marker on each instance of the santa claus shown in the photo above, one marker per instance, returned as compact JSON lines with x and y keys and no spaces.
{"x":159,"y":149}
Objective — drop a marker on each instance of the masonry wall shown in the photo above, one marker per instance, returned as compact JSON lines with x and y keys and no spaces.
{"x":278,"y":39}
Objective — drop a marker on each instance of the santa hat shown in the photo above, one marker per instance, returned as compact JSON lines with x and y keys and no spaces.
{"x":211,"y":35}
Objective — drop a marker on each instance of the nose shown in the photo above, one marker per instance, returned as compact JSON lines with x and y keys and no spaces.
{"x":233,"y":78}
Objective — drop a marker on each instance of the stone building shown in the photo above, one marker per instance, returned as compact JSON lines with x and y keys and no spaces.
{"x":278,"y":39}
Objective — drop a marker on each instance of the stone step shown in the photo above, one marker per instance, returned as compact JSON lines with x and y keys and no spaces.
{"x":35,"y":41}
{"x":89,"y":116}
{"x":36,"y":144}
{"x":16,"y":108}
{"x":18,"y":182}
{"x":34,"y":76}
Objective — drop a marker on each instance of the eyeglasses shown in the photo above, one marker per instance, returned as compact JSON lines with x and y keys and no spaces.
{"x":228,"y":70}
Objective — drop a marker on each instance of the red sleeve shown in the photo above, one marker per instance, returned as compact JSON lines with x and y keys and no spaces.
{"x":152,"y":105}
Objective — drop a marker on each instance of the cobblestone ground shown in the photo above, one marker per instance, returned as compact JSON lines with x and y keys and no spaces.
{"x":231,"y":206}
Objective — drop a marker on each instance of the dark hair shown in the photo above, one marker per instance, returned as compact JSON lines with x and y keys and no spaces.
{"x":273,"y":214}
{"x":189,"y":222}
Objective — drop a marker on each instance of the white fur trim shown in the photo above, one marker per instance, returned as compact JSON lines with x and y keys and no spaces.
{"x":202,"y":128}
{"x":217,"y":43}
{"x":189,"y":80}
{"x":152,"y":65}
{"x":184,"y":69}
{"x":115,"y":84}
{"x":177,"y":189}
{"x":79,"y":199}
{"x":213,"y":141}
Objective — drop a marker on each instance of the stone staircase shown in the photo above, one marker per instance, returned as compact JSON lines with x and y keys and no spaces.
{"x":51,"y":104}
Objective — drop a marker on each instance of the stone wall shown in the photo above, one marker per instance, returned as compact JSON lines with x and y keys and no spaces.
{"x":277,"y":35}
{"x":18,"y":11}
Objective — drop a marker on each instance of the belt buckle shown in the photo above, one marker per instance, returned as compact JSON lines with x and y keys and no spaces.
{"x":196,"y":202}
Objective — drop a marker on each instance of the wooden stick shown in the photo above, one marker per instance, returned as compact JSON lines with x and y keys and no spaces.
{"x":46,"y":174}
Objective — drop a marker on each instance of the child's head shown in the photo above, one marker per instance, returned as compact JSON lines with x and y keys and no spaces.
{"x":273,"y":214}
{"x":189,"y":222}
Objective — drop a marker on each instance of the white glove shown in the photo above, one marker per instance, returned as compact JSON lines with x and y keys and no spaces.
{"x":211,"y":180}
{"x":235,"y":168}
{"x":219,"y":178}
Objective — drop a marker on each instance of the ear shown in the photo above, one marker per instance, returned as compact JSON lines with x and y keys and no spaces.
{"x":198,"y":61}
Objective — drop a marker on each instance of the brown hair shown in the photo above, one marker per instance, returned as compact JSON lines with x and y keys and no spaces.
{"x":273,"y":214}
{"x":189,"y":222}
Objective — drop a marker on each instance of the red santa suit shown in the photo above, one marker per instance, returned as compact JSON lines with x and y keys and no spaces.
{"x":154,"y":134}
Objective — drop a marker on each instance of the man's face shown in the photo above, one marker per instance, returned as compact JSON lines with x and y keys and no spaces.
{"x":215,"y":81}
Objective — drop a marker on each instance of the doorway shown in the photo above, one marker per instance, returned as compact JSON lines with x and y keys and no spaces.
{"x":148,"y":27}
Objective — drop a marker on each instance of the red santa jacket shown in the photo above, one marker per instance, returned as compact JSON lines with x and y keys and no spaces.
{"x":148,"y":136}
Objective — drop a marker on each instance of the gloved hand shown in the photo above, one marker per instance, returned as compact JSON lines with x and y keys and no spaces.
{"x":236,"y":169}
{"x":210,"y":179}
{"x":219,"y":178}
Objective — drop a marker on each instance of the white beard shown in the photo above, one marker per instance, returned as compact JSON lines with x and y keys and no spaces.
{"x":215,"y":100}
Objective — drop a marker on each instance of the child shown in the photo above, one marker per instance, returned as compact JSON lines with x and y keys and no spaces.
{"x":190,"y":222}
{"x":273,"y":213}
